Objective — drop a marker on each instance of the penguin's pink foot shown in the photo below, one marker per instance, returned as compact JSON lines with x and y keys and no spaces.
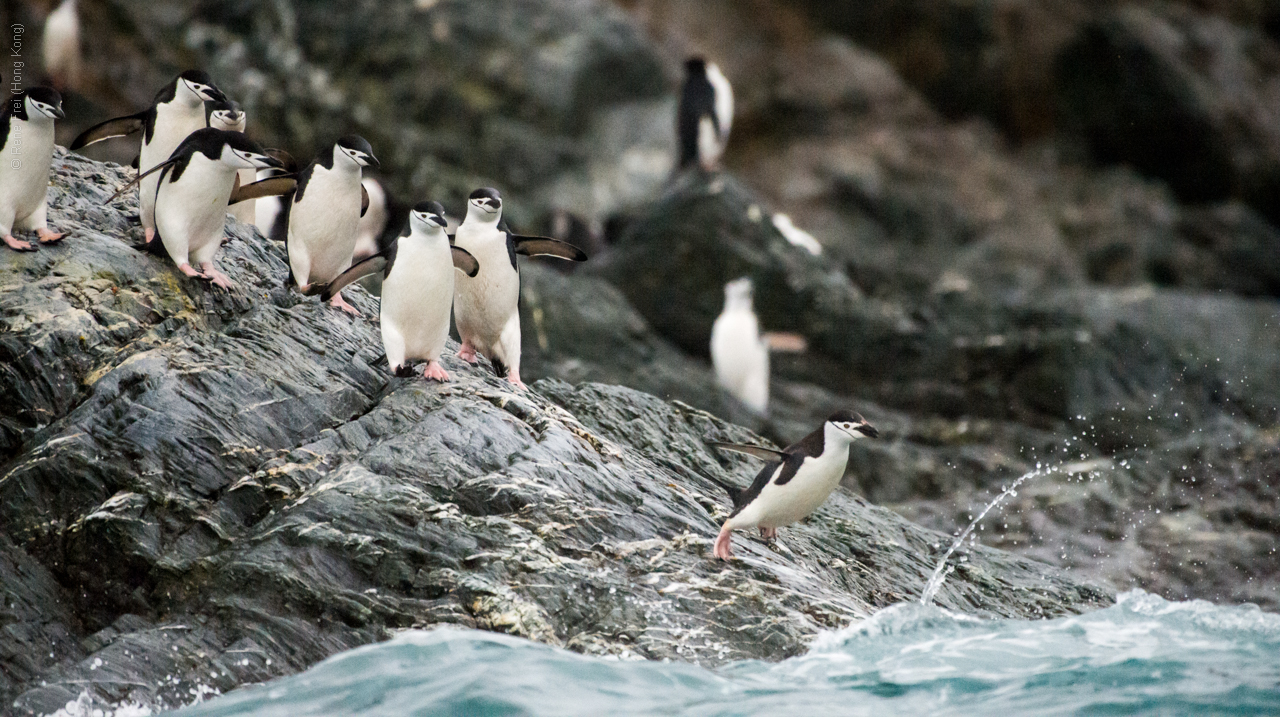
{"x":433,"y":371}
{"x":514,"y":378}
{"x":148,"y":234}
{"x":217,"y":277}
{"x":49,"y":237}
{"x":467,"y":352}
{"x":17,"y":244}
{"x":338,"y":302}
{"x":722,"y":550}
{"x":188,"y":271}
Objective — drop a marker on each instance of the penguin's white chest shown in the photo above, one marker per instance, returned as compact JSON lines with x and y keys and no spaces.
{"x":193,"y":209}
{"x":417,"y":295}
{"x":174,"y":121}
{"x":740,"y":358}
{"x":484,"y":303}
{"x":24,"y":167}
{"x":780,"y":505}
{"x":322,"y":225}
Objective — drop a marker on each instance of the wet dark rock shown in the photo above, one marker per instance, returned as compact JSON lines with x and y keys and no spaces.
{"x":204,"y":488}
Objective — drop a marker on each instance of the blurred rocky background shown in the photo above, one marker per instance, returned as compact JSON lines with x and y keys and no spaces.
{"x":1049,"y":228}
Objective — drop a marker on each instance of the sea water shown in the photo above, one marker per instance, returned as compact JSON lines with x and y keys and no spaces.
{"x":1144,"y":655}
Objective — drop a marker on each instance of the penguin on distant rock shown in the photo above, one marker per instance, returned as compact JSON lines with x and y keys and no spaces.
{"x":177,"y":111}
{"x":417,"y":279}
{"x":705,"y":114}
{"x":795,"y":481}
{"x":27,"y":124}
{"x":325,"y":214}
{"x":486,"y":307}
{"x":739,"y":353}
{"x":194,"y":188}
{"x":60,"y":46}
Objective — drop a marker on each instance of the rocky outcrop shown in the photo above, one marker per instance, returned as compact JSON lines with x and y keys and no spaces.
{"x":205,"y":488}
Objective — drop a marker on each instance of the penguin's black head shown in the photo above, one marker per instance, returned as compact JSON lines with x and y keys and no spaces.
{"x":487,"y":200}
{"x":199,"y":82}
{"x":243,"y":153}
{"x":359,"y":150}
{"x":429,"y":214}
{"x":46,"y":101}
{"x":224,"y":115}
{"x":695,"y":66}
{"x":853,"y":424}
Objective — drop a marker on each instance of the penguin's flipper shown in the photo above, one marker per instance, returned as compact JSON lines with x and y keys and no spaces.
{"x":138,"y":178}
{"x":760,"y":452}
{"x":463,"y":260}
{"x":269,"y":187}
{"x":364,"y":200}
{"x":118,"y":127}
{"x":546,"y":246}
{"x":373,"y":265}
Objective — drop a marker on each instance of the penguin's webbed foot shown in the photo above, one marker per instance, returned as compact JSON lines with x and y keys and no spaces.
{"x":404,"y":370}
{"x":433,"y":371}
{"x":768,"y":533}
{"x":17,"y":244}
{"x":338,"y":302}
{"x":467,"y":352}
{"x":722,"y":549}
{"x":50,"y":237}
{"x":188,"y":271}
{"x":514,"y":378}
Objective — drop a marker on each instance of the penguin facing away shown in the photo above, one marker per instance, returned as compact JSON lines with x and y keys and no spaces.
{"x":794,"y":481}
{"x":324,"y":216}
{"x":194,"y":186}
{"x":738,"y":351}
{"x":417,"y":272}
{"x":705,"y":114}
{"x":228,"y":116}
{"x":27,"y":118}
{"x":486,"y":307}
{"x":177,"y":111}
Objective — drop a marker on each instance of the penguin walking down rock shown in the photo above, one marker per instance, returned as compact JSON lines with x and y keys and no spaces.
{"x":417,"y":272}
{"x":705,"y":114}
{"x":177,"y":111}
{"x":325,"y":213}
{"x":194,"y":188}
{"x":26,"y":141}
{"x":795,"y":481}
{"x":486,"y":307}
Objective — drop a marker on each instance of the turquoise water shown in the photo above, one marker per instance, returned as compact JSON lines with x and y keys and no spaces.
{"x":1145,"y":655}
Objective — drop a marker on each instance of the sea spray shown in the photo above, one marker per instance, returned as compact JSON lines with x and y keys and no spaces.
{"x":940,"y":573}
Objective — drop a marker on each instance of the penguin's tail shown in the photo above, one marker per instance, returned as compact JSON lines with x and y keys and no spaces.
{"x":499,"y":367}
{"x":733,"y":490}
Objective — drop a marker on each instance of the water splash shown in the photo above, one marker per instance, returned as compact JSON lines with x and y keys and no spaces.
{"x":942,"y":571}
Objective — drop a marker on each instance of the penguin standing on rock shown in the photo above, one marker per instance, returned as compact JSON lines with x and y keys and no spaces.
{"x":194,"y":187}
{"x":705,"y":114}
{"x":738,"y":351}
{"x":326,"y":210}
{"x":417,"y":290}
{"x":795,"y":481}
{"x":486,"y":307}
{"x":228,"y":116}
{"x":26,"y":141}
{"x":177,"y":111}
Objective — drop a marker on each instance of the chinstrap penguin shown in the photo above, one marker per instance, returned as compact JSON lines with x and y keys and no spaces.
{"x":738,"y":351}
{"x":324,"y":215}
{"x":417,"y":290}
{"x":228,"y":116}
{"x":795,"y":481}
{"x":60,"y":46}
{"x":487,"y":307}
{"x":177,"y":111}
{"x":26,"y":141}
{"x":194,"y":186}
{"x":705,"y":114}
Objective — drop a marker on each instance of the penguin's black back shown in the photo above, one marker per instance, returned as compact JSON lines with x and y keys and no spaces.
{"x":698,"y":100}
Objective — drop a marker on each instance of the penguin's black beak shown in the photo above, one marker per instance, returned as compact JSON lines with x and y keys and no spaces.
{"x":270,"y":161}
{"x":58,"y":113}
{"x":214,"y":94}
{"x":373,"y":161}
{"x":867,"y":430}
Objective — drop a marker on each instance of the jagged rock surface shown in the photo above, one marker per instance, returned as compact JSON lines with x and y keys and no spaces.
{"x":205,"y":488}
